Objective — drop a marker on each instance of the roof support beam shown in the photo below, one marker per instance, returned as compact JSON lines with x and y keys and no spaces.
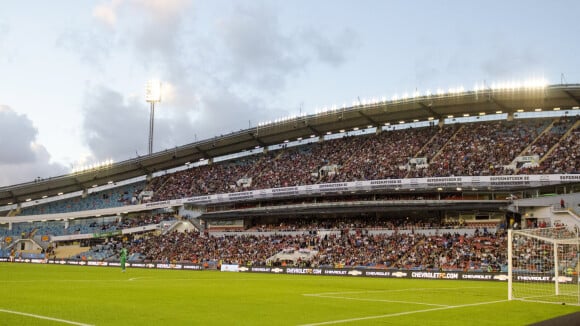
{"x":371,"y":120}
{"x":257,"y":139}
{"x":429,"y":109}
{"x":204,"y":153}
{"x":316,"y":132}
{"x":499,"y":105}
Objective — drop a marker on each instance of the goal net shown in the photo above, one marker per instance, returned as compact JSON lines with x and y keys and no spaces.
{"x":543,"y":265}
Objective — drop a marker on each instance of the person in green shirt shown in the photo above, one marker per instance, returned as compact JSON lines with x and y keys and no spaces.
{"x":123,"y":258}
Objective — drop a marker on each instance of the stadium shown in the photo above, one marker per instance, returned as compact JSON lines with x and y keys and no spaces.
{"x":438,"y":205}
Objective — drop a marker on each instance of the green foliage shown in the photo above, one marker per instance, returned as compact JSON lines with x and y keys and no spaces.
{"x":106,"y":296}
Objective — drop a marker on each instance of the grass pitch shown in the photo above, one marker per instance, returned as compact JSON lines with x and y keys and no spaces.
{"x":73,"y":295}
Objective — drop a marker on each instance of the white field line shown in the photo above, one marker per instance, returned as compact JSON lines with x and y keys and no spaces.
{"x":386,"y":291}
{"x":381,"y":300}
{"x":138,"y":278}
{"x":331,"y":322}
{"x":43,"y":317}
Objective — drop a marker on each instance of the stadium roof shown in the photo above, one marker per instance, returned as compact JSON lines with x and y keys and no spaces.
{"x":508,"y":100}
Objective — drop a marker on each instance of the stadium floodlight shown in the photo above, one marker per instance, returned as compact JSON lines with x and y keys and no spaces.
{"x":152,"y":95}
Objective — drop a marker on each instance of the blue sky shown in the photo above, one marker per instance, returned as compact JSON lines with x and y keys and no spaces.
{"x":72,"y":73}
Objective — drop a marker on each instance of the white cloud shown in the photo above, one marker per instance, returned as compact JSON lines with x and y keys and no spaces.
{"x":21,"y":156}
{"x":106,"y":13}
{"x":331,"y":51}
{"x":6,"y":52}
{"x":222,"y":80}
{"x":112,"y":127}
{"x":92,"y":48}
{"x":17,"y":137}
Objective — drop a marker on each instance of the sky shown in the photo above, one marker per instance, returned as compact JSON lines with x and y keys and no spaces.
{"x":73,"y":73}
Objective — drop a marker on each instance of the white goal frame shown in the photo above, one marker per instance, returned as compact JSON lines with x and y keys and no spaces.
{"x":543,"y":265}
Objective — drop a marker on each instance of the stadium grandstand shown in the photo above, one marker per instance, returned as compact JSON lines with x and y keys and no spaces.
{"x":429,"y":182}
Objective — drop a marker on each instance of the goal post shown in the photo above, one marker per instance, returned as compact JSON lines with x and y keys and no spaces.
{"x":543,"y":265}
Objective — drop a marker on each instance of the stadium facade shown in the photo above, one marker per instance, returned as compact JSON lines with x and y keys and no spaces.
{"x":518,"y":161}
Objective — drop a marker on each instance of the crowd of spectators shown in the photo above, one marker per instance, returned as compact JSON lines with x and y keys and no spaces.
{"x":349,"y":223}
{"x":565,"y":157}
{"x":483,"y":148}
{"x":480,"y":250}
{"x":82,"y":226}
{"x":114,"y":197}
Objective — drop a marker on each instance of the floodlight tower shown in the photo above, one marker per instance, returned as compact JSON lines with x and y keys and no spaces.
{"x":152,"y":95}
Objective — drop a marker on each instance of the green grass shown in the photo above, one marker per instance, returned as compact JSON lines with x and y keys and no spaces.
{"x":105,"y":296}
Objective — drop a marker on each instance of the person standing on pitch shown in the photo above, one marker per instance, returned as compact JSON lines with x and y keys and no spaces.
{"x":123,"y":258}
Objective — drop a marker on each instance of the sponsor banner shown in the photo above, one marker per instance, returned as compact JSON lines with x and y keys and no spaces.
{"x":169,"y":266}
{"x":229,"y":268}
{"x":500,"y":181}
{"x":435,"y":275}
{"x":381,"y":273}
{"x":445,"y":180}
{"x":294,"y":270}
{"x":137,"y":265}
{"x":569,"y":177}
{"x":286,"y":191}
{"x":423,"y":183}
{"x":158,"y":204}
{"x":346,"y":272}
{"x":246,"y":195}
{"x":198,"y":200}
{"x":544,"y":278}
{"x":257,"y":269}
{"x":193,"y":267}
{"x":375,"y":273}
{"x":333,"y":187}
{"x":382,"y":184}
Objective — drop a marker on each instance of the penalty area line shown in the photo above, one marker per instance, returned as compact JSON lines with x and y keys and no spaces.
{"x":331,"y":322}
{"x":64,"y":321}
